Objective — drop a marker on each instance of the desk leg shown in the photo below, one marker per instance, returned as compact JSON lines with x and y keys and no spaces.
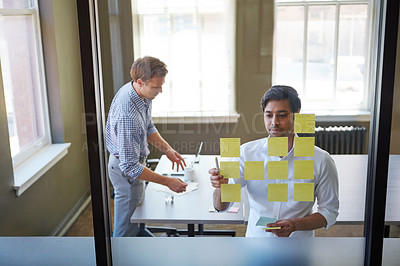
{"x":143,"y":231}
{"x":201,"y":229}
{"x":191,"y":232}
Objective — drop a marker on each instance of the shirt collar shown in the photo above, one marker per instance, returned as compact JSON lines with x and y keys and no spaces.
{"x":136,"y":99}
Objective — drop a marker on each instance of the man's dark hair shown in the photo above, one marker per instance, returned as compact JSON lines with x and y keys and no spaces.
{"x":147,"y":67}
{"x":282,"y":92}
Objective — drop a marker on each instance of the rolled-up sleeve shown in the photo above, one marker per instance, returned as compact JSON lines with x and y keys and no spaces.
{"x":129,"y":141}
{"x":327,"y":191}
{"x":151,"y":128}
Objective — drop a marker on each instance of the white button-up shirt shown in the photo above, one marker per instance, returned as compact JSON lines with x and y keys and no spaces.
{"x":326,"y":189}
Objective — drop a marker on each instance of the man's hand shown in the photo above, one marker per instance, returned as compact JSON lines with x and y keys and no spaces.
{"x":287,"y":227}
{"x":177,"y":185}
{"x":217,"y":179}
{"x":175,"y":157}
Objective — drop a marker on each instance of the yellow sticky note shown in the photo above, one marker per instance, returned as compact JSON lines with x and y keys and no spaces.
{"x":277,"y":146}
{"x":229,"y":147}
{"x":303,"y":192}
{"x":278,"y":169}
{"x":230,"y":193}
{"x":254,"y":170}
{"x":304,"y":123}
{"x":278,"y":192}
{"x":304,"y":146}
{"x":230,"y":169}
{"x":303,"y":169}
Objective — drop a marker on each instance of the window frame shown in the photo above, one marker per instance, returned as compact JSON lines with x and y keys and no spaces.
{"x":364,"y":109}
{"x":39,"y":144}
{"x":199,"y":116}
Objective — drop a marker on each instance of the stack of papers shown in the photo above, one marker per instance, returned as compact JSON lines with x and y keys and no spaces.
{"x":190,"y":187}
{"x":263,"y":221}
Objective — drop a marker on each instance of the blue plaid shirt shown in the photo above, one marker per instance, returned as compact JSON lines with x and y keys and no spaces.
{"x":128,"y":125}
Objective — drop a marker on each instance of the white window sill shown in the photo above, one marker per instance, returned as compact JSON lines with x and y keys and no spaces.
{"x":340,"y":116}
{"x":196,"y":118}
{"x":31,"y":170}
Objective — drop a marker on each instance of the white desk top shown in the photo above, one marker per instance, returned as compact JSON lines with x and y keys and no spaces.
{"x":191,"y":208}
{"x":352,"y":170}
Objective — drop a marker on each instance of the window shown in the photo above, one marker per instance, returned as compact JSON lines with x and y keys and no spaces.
{"x":196,"y":41}
{"x":322,"y":48}
{"x":23,"y":78}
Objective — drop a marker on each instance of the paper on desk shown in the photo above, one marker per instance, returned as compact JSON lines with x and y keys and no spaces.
{"x":233,"y":209}
{"x":190,"y":187}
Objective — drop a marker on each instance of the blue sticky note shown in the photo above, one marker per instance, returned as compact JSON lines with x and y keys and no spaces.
{"x":263,"y":221}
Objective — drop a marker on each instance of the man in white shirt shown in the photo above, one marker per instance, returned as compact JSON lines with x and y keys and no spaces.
{"x":295,"y":218}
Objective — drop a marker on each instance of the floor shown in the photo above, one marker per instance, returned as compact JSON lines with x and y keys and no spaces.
{"x":84,"y":227}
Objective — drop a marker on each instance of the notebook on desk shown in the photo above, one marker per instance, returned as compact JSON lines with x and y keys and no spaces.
{"x":189,"y":160}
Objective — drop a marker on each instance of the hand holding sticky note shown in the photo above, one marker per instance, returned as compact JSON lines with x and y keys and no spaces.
{"x":263,"y":221}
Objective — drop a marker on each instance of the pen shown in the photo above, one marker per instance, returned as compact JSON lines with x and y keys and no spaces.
{"x":217,"y":164}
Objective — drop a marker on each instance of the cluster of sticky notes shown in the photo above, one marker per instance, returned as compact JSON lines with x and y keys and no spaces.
{"x":230,"y":147}
{"x":277,"y":146}
{"x":302,"y":169}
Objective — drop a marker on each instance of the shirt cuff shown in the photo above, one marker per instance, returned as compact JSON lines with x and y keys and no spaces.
{"x":136,"y":171}
{"x":151,"y":130}
{"x":329,"y":216}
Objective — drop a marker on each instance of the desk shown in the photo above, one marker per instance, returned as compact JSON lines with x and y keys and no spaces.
{"x":352,"y":170}
{"x":191,"y":208}
{"x":38,"y":251}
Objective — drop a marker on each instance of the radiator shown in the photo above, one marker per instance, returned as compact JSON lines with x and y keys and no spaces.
{"x":341,"y":139}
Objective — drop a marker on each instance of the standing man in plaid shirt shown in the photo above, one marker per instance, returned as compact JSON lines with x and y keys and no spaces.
{"x":129,"y":129}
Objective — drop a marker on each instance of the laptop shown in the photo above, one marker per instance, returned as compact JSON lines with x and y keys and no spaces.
{"x":189,"y":159}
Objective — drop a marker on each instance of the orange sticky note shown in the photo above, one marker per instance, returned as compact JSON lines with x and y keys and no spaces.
{"x":303,"y":169}
{"x":277,"y":146}
{"x":229,"y":147}
{"x":254,"y":170}
{"x":278,"y":169}
{"x":304,"y":146}
{"x":230,"y":193}
{"x":278,"y":192}
{"x":230,"y":169}
{"x":304,"y":123}
{"x":303,"y":192}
